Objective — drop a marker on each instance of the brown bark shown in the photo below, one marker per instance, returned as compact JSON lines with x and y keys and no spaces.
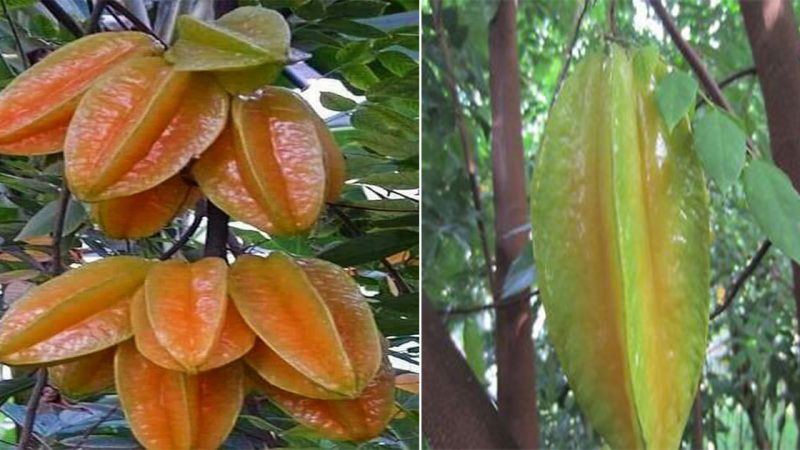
{"x":774,"y":40}
{"x":458,"y":413}
{"x":514,"y":350}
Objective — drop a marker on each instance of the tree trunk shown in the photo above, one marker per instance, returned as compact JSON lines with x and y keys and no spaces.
{"x":516,"y":373}
{"x":775,"y":42}
{"x":458,"y":412}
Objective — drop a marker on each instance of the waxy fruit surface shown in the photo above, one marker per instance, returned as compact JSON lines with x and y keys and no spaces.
{"x":274,"y":166}
{"x":37,"y":106}
{"x":139,"y":126}
{"x":621,"y":242}
{"x":80,"y":312}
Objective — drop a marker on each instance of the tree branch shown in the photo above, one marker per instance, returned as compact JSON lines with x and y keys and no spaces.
{"x":466,"y":142}
{"x":33,"y":405}
{"x":199,"y":213}
{"x":740,"y":279}
{"x":63,"y":17}
{"x":217,"y":231}
{"x":568,"y":53}
{"x":58,"y":228}
{"x":402,"y":285}
{"x":21,"y":51}
{"x":370,"y":208}
{"x":747,"y":71}
{"x":481,"y":308}
{"x":138,"y":24}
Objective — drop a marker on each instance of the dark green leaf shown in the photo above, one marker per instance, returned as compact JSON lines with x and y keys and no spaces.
{"x":397,"y":62}
{"x":336,"y":102}
{"x":359,"y":52}
{"x":370,"y":247}
{"x":720,"y":145}
{"x":359,"y":75}
{"x":775,"y":205}
{"x":352,"y":28}
{"x":357,"y":8}
{"x":675,"y":96}
{"x":387,"y":145}
{"x":9,"y":388}
{"x":42,"y":223}
{"x":311,"y":10}
{"x":393,"y":180}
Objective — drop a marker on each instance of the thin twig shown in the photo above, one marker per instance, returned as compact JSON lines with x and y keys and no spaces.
{"x":63,"y":17}
{"x":568,"y":53}
{"x":738,"y":283}
{"x":95,"y":426}
{"x":22,"y":56}
{"x":58,"y":229}
{"x":706,"y":80}
{"x":234,"y":245}
{"x":739,"y":74}
{"x":199,"y":213}
{"x":370,"y":208}
{"x":402,"y":285}
{"x":466,"y":142}
{"x":94,"y":20}
{"x":481,"y":308}
{"x":138,"y":24}
{"x":33,"y":406}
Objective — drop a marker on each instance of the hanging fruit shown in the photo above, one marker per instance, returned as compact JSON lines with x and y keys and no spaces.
{"x":274,"y":164}
{"x":621,"y":240}
{"x":37,"y":106}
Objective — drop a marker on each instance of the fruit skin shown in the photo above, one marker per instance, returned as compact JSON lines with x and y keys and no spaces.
{"x":186,"y":305}
{"x":146,"y":213}
{"x":313,"y":316}
{"x":36,"y":106}
{"x":86,"y":376}
{"x":246,"y":37}
{"x":359,"y":419}
{"x":174,"y":410}
{"x":139,"y":126}
{"x":80,"y":312}
{"x":273,"y":165}
{"x":234,"y":341}
{"x":621,"y":241}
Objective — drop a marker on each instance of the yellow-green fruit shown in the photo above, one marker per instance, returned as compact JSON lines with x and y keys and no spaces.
{"x":621,"y":240}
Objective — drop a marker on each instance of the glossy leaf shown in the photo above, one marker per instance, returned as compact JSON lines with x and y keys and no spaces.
{"x":80,"y":312}
{"x":88,"y":375}
{"x":621,"y":243}
{"x":139,"y":126}
{"x":245,"y":37}
{"x":775,"y":204}
{"x":36,"y":107}
{"x":359,"y":419}
{"x":173,"y":410}
{"x":186,"y":304}
{"x":143,"y":214}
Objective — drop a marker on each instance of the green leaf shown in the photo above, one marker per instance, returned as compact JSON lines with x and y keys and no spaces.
{"x":357,"y":8}
{"x":394,"y":205}
{"x":359,"y":75}
{"x":359,"y":52}
{"x":675,"y":96}
{"x":311,"y":10}
{"x":720,"y":145}
{"x":41,"y":224}
{"x":352,"y":28}
{"x":387,"y":145}
{"x":381,"y":119}
{"x":9,"y":388}
{"x":370,"y":247}
{"x":393,"y":180}
{"x":775,"y":205}
{"x":397,"y":62}
{"x":473,"y":348}
{"x":336,"y":102}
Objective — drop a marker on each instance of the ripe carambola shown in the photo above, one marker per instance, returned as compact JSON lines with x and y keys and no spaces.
{"x":621,"y":240}
{"x":85,"y":376}
{"x":274,"y":165}
{"x":174,"y":410}
{"x":80,"y":312}
{"x":314,"y":320}
{"x":37,"y":106}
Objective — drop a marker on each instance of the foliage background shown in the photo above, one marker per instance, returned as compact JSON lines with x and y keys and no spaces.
{"x":369,"y":45}
{"x":751,"y":381}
